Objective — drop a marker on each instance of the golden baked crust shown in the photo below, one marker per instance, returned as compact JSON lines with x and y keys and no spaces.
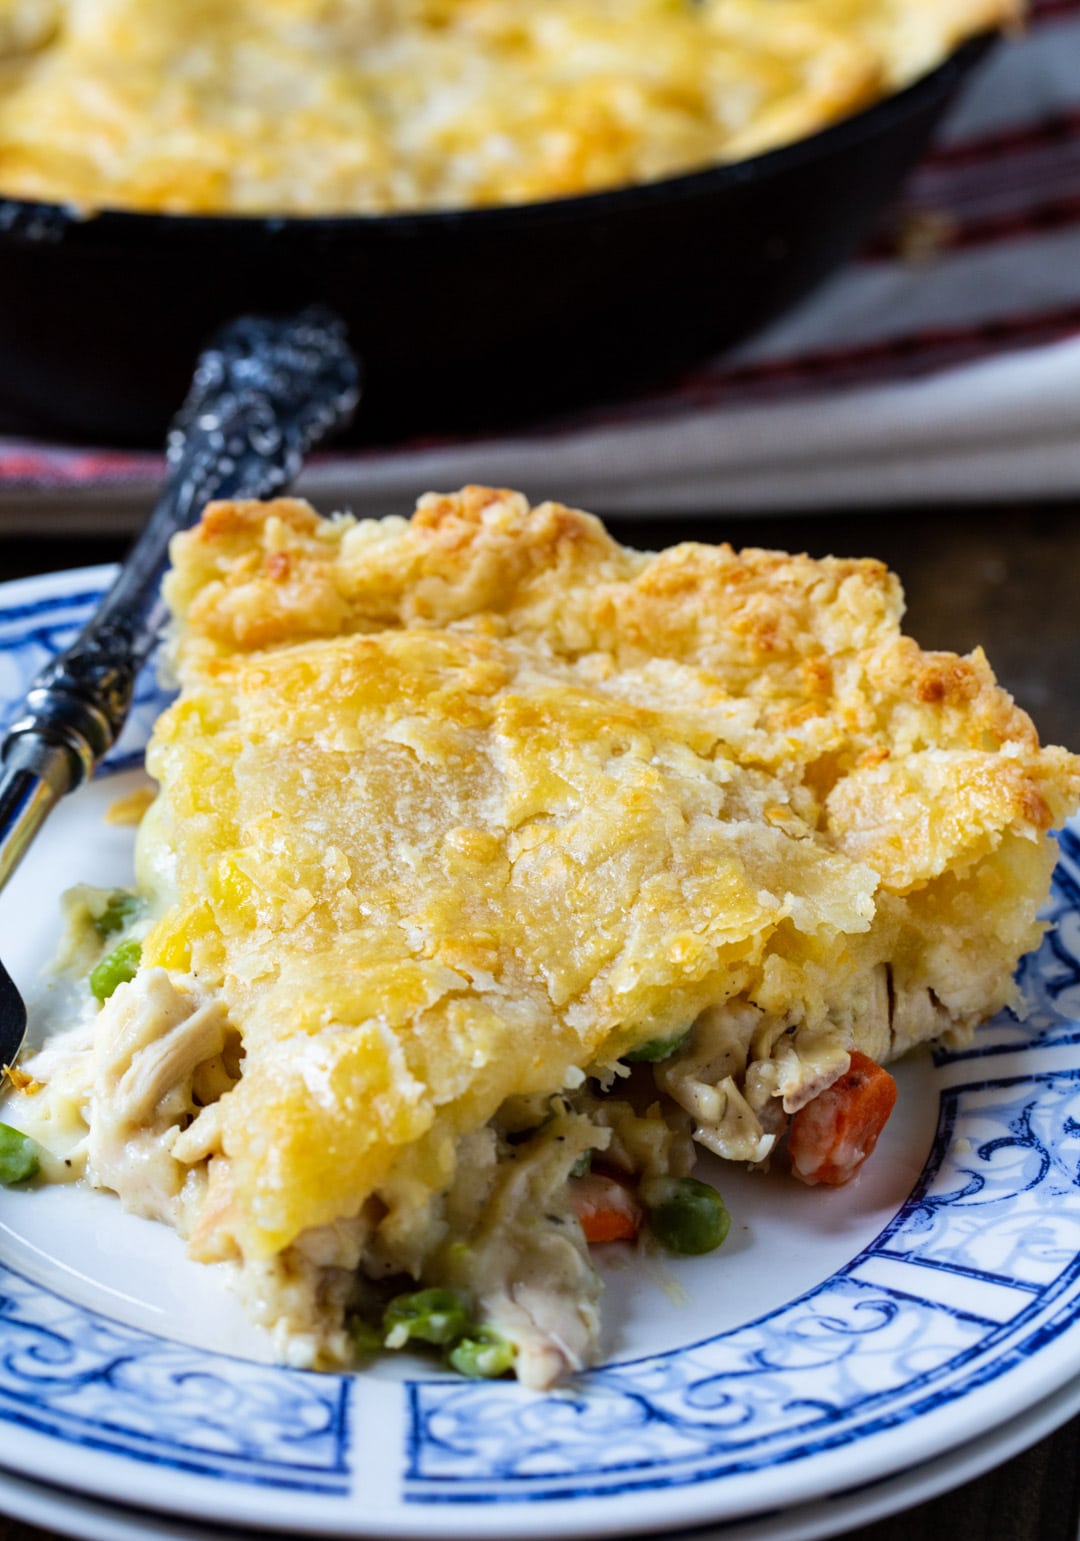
{"x":457,"y":808}
{"x":368,"y":105}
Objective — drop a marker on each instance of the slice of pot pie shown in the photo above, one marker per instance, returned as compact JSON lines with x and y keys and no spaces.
{"x":496,"y":867}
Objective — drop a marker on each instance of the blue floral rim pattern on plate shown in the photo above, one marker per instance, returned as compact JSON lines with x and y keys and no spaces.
{"x":73,"y":1375}
{"x":976,"y":1276}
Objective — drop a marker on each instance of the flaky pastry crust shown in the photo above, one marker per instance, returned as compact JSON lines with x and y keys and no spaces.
{"x":456,"y":808}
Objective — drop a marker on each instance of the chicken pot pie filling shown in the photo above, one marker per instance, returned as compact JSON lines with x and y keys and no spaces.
{"x":369,"y":106}
{"x":496,"y":869}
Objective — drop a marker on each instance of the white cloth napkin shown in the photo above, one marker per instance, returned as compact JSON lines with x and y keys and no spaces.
{"x":942,"y":364}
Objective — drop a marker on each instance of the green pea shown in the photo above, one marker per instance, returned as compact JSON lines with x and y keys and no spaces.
{"x":20,"y":1156}
{"x":583,"y":1165}
{"x":656,"y":1049}
{"x":685,"y":1215}
{"x":121,"y":908}
{"x":483,"y":1354}
{"x":116,"y":968}
{"x":431,"y":1316}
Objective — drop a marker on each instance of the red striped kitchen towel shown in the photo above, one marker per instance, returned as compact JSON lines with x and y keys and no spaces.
{"x":944,"y":362}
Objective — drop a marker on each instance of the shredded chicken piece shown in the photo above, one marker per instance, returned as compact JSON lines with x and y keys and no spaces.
{"x":528,"y":1267}
{"x":150,"y":1040}
{"x":701,"y":1079}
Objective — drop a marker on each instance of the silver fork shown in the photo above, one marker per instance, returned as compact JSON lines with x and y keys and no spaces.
{"x":264,"y":392}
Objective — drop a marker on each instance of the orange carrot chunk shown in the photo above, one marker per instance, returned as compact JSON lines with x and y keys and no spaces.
{"x":606,"y":1210}
{"x":832,"y":1136}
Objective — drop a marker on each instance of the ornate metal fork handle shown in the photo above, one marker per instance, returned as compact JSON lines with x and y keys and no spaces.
{"x":263,"y":394}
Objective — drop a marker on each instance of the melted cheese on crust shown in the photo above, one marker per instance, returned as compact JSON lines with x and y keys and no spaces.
{"x":453,"y":809}
{"x":322,"y":106}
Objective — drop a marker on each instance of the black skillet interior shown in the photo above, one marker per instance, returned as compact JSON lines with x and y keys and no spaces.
{"x":464,"y":321}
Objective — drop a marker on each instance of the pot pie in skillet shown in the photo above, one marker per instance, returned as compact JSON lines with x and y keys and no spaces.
{"x":369,"y":106}
{"x":495,"y":868}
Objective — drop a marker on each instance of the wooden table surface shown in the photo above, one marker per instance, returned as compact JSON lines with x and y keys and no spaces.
{"x":1008,"y":578}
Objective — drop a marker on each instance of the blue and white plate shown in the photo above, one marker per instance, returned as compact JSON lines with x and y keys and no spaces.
{"x":838,"y":1339}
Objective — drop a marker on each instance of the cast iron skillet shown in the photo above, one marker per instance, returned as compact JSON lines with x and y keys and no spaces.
{"x":463,"y":320}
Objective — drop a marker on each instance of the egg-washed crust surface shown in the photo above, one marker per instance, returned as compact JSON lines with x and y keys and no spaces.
{"x":455,"y":808}
{"x":307,"y":107}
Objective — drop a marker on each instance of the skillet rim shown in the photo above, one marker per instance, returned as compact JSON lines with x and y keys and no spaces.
{"x":39,"y":221}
